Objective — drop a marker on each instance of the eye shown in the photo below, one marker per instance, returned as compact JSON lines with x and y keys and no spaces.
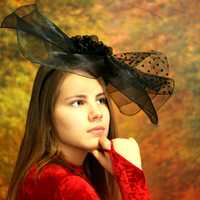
{"x":73,"y":102}
{"x":104,"y":100}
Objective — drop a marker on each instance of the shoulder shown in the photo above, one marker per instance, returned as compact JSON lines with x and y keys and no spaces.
{"x":129,"y":149}
{"x":56,"y":181}
{"x":51,"y":173}
{"x":74,"y":187}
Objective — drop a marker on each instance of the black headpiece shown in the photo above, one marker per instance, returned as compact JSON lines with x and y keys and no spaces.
{"x":134,"y":80}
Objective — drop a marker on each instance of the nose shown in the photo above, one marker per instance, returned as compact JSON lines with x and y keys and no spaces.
{"x":95,"y":113}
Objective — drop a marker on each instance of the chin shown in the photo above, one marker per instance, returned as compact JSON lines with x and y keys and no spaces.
{"x":93,"y":144}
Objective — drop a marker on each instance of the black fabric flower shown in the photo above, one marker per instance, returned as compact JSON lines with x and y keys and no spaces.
{"x":90,"y":44}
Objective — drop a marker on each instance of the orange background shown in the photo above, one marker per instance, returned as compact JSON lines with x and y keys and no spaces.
{"x":170,"y":151}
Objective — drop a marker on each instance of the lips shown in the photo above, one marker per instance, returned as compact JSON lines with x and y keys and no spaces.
{"x":97,"y":128}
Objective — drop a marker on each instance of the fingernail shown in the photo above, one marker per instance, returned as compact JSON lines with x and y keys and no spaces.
{"x":94,"y":152}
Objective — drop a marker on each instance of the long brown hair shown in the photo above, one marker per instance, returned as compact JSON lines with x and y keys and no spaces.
{"x":39,"y":144}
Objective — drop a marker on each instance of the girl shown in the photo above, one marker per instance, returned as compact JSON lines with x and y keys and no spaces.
{"x":70,"y":148}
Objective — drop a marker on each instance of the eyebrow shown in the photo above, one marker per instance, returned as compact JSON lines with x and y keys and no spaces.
{"x":84,"y":96}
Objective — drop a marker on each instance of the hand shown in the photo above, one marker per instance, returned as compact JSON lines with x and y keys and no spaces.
{"x":102,"y":156}
{"x":130,"y":153}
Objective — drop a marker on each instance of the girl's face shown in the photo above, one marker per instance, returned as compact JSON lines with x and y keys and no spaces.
{"x":74,"y":115}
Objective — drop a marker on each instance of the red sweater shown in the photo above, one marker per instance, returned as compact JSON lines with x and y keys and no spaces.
{"x":58,"y":183}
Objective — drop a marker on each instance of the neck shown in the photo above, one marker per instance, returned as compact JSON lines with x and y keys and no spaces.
{"x":73,"y":154}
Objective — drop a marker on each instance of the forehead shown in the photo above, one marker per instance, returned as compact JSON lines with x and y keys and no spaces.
{"x":74,"y":84}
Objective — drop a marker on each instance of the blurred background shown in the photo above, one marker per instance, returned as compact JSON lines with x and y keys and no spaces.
{"x":170,"y":152}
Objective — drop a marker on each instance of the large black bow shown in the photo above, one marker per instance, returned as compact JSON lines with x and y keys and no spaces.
{"x":134,"y":80}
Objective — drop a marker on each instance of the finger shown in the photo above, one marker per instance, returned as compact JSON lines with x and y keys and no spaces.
{"x":99,"y":156}
{"x":103,"y":160}
{"x":105,"y":143}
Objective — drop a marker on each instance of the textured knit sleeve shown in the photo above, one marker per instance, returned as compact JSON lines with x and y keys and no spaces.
{"x":130,"y":178}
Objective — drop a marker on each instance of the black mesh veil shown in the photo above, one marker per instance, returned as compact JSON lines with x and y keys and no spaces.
{"x":134,"y":80}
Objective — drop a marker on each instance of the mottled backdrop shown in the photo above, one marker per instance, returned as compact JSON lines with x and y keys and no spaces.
{"x":170,"y":151}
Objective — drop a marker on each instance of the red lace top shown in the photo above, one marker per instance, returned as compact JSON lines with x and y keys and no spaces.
{"x":58,"y":183}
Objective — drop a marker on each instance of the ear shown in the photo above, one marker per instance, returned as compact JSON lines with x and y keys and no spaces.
{"x":129,"y":149}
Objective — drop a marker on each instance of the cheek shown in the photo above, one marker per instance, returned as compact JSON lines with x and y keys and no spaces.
{"x":67,"y":121}
{"x":107,"y":115}
{"x":106,"y":119}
